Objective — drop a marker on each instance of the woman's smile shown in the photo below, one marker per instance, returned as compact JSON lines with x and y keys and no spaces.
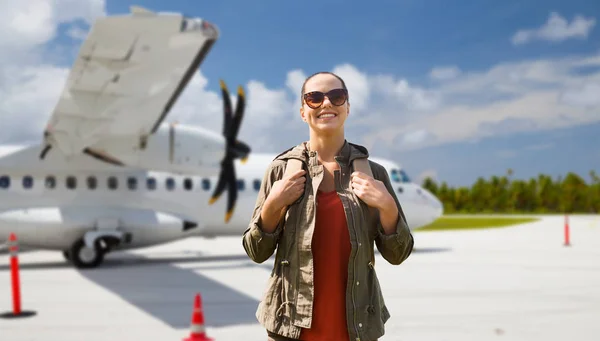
{"x":327,"y":115}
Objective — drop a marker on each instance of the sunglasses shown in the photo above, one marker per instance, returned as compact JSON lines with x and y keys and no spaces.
{"x":337,"y":97}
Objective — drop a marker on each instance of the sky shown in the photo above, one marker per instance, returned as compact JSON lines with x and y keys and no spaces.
{"x":452,"y":90}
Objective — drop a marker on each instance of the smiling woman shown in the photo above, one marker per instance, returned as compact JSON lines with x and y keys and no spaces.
{"x":310,"y":216}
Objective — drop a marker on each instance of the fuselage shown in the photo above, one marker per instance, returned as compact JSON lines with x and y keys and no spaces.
{"x":50,"y":202}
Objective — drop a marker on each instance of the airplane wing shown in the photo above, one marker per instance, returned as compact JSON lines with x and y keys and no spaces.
{"x":129,"y":72}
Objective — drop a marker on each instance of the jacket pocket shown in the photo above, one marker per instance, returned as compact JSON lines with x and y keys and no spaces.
{"x":375,"y":312}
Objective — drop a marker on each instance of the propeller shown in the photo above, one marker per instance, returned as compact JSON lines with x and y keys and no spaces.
{"x":234,"y":149}
{"x":47,"y":145}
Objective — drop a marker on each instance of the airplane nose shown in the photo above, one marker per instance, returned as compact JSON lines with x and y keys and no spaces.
{"x":436,"y":204}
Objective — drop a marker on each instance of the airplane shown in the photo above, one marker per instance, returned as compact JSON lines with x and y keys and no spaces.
{"x":110,"y":174}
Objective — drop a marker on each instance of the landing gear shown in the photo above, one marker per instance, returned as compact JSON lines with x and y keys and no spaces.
{"x":84,"y":257}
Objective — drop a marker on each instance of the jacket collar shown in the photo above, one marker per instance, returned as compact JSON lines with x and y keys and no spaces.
{"x":347,"y":154}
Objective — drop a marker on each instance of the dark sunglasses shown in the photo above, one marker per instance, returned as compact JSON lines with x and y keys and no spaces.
{"x":337,"y":97}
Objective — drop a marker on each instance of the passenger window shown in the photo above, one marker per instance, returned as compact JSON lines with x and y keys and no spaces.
{"x":113,"y":183}
{"x":205,"y":184}
{"x":188,"y":184}
{"x":92,"y":182}
{"x":170,"y":184}
{"x":256,"y":184}
{"x":132,"y":183}
{"x":50,"y":182}
{"x":71,"y":182}
{"x":240,"y":184}
{"x":4,"y":182}
{"x":27,"y":181}
{"x":151,"y":183}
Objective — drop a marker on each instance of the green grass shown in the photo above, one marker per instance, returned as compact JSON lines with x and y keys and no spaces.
{"x":464,"y":223}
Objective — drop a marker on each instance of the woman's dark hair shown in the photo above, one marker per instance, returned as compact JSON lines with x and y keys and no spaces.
{"x":320,"y":73}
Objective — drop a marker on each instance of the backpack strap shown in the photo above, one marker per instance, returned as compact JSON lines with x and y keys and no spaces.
{"x":292,"y":166}
{"x":362,"y":165}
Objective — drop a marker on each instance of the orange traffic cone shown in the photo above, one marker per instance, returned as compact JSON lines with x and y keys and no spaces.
{"x":197,"y":330}
{"x":13,"y":247}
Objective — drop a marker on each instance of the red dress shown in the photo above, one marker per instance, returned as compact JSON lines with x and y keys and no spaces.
{"x":331,"y":252}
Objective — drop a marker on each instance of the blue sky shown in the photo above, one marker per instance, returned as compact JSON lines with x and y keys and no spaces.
{"x":415,"y":69}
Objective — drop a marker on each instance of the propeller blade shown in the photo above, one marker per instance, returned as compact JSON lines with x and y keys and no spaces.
{"x":227,"y":111}
{"x":45,"y":151}
{"x":232,"y":191}
{"x":220,"y":185}
{"x":47,"y":147}
{"x":239,"y":114}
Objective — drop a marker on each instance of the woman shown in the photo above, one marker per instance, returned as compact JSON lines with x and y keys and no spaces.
{"x":323,"y":219}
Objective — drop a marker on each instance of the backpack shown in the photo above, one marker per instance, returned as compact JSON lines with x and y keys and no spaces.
{"x":360,"y":165}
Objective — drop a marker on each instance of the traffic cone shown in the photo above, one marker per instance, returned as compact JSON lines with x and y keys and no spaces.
{"x":567,"y":231}
{"x":197,"y":330}
{"x":13,"y":248}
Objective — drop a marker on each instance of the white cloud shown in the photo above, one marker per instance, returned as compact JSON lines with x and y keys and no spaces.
{"x":509,"y":97}
{"x":357,"y":84}
{"x":556,"y":29}
{"x":28,"y":23}
{"x":415,"y":137}
{"x":77,"y":33}
{"x":586,"y":96}
{"x":28,"y":95}
{"x":294,"y":81}
{"x":404,"y":95}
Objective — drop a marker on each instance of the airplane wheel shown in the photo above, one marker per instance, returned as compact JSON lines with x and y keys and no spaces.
{"x":84,"y":257}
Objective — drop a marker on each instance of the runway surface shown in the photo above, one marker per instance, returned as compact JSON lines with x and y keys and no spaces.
{"x":514,"y":283}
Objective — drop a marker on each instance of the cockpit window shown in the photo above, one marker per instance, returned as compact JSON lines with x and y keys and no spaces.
{"x":404,"y":176}
{"x":395,"y":175}
{"x":399,"y":176}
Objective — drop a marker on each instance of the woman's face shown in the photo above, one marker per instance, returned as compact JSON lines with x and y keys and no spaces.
{"x":327,"y":118}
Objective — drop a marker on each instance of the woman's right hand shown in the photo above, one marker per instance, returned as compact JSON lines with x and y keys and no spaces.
{"x":287,"y":190}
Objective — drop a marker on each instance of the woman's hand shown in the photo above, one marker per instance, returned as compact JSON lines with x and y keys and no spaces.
{"x":372,"y":192}
{"x":286,"y":191}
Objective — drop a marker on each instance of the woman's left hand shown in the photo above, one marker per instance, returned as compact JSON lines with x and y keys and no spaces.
{"x":372,"y":192}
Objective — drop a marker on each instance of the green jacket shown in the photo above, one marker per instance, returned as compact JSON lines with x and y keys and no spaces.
{"x":287,"y":302}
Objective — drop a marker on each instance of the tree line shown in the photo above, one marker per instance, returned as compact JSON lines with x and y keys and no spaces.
{"x":503,"y":194}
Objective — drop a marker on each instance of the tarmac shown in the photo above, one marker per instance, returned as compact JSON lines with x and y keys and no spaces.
{"x":512,"y":283}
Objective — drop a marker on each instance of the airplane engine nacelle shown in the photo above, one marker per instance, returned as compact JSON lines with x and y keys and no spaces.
{"x":184,"y":149}
{"x":173,"y":148}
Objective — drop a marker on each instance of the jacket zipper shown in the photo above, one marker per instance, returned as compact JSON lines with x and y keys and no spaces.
{"x":309,"y":176}
{"x":297,"y":285}
{"x":339,"y":180}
